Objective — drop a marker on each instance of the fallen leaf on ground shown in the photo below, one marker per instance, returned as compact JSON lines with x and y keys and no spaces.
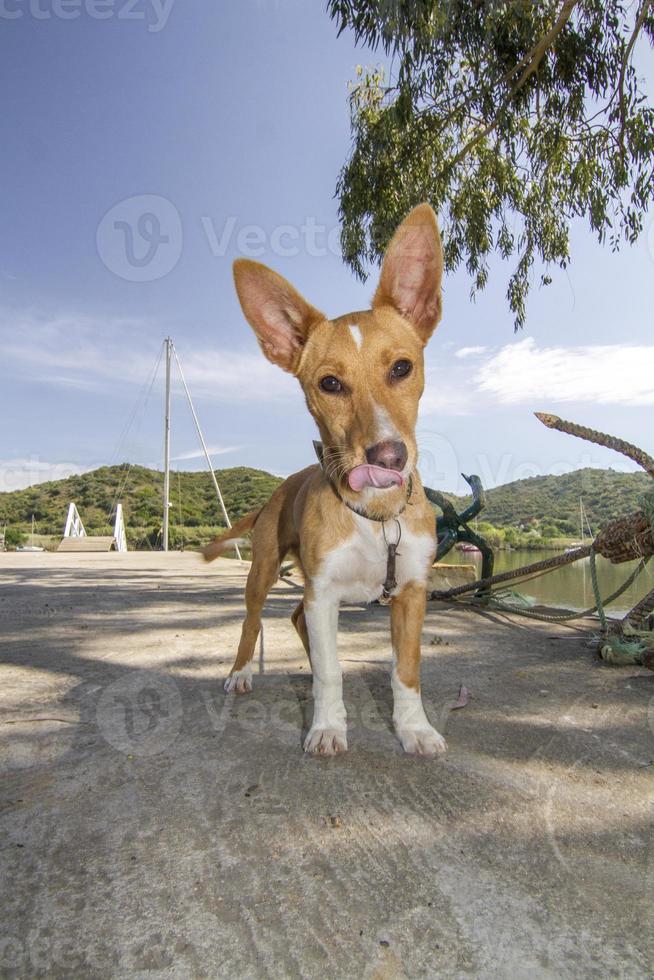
{"x":462,"y":699}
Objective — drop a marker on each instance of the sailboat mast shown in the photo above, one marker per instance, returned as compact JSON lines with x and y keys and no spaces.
{"x":166,"y":488}
{"x":581,"y":518}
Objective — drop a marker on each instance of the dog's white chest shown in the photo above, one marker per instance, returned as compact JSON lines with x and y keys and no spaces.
{"x":356,"y":569}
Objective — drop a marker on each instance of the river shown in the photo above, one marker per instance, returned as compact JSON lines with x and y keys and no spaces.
{"x":569,"y":586}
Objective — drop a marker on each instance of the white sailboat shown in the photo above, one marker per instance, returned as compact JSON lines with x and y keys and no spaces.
{"x":31,"y":546}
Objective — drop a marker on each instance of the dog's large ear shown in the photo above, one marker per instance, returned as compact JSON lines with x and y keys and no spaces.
{"x":412,"y":271}
{"x":279,"y":316}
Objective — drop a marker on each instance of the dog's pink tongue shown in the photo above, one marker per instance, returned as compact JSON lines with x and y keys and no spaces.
{"x":366,"y":475}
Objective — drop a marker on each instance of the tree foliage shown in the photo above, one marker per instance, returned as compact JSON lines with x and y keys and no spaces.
{"x":14,"y":538}
{"x":511,"y":119}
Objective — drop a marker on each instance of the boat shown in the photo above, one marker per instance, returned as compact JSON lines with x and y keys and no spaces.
{"x":467,"y":547}
{"x":31,"y":546}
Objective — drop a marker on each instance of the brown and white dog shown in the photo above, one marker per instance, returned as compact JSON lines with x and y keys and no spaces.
{"x":362,"y":375}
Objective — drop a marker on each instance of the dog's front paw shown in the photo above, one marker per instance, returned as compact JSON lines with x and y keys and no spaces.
{"x":239,"y":681}
{"x":326,"y":741}
{"x":422,"y":741}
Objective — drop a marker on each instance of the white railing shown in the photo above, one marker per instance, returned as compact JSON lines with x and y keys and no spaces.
{"x":119,"y":529}
{"x":74,"y":527}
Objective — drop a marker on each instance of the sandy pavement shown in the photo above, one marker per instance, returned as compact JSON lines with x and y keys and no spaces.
{"x":150,"y":826}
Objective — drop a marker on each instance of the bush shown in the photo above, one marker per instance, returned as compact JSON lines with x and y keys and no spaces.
{"x":14,"y":537}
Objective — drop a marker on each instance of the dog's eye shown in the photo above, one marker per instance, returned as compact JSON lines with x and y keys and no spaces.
{"x":331,"y":385}
{"x":401,"y":369}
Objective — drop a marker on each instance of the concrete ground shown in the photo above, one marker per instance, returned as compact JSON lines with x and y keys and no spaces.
{"x":152,"y":827}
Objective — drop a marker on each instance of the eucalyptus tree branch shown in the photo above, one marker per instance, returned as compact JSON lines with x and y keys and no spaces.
{"x":533,"y":60}
{"x":460,"y":126}
{"x":625,"y":62}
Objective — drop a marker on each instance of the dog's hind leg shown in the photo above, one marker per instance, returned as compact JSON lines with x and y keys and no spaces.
{"x":300,"y":623}
{"x":263,"y":574}
{"x":273,"y":536}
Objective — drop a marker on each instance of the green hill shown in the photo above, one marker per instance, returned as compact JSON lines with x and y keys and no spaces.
{"x":547,"y":503}
{"x":195,"y":512}
{"x":554,"y":500}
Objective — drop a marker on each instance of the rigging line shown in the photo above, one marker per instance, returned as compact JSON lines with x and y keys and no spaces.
{"x":181,"y":516}
{"x":140,"y":404}
{"x":204,"y":448}
{"x":142,"y":399}
{"x":144,"y":396}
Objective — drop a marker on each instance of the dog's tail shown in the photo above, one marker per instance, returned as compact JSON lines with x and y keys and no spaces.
{"x":232,"y":534}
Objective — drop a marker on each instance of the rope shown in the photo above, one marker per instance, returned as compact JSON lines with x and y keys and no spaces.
{"x":571,"y":614}
{"x":516,"y":573}
{"x":641,"y":612}
{"x":647,"y":504}
{"x":630,"y":645}
{"x":616,"y":649}
{"x":596,"y":592}
{"x":599,"y":438}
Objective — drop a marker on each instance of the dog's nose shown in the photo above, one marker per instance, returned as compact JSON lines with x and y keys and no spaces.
{"x":391,"y":455}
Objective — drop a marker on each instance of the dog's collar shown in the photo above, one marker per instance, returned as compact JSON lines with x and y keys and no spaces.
{"x":318,"y":447}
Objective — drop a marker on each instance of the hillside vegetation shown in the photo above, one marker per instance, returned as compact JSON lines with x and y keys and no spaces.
{"x":546,"y":506}
{"x":194,"y":514}
{"x":554,"y":500}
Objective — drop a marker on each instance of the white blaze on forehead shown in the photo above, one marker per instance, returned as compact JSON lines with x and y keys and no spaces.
{"x":357,"y":336}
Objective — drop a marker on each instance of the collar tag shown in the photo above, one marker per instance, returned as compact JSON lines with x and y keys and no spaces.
{"x":390,"y":582}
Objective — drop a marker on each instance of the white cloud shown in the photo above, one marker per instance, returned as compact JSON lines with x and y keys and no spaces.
{"x":16,"y":474}
{"x":236,"y":376}
{"x":212,"y":450}
{"x":470,"y":351}
{"x":447,"y":386}
{"x":89,"y":353}
{"x":613,"y":374}
{"x":443,"y":398}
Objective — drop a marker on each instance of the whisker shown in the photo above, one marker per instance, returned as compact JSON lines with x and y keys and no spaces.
{"x":337,"y":463}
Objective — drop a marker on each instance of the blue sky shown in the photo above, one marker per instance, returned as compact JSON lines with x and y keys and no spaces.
{"x":221,"y":128}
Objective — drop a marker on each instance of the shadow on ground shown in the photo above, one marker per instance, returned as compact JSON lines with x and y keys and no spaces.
{"x":152,"y":825}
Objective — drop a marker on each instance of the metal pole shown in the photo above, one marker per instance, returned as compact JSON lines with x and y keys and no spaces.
{"x":205,"y":450}
{"x":166,"y":490}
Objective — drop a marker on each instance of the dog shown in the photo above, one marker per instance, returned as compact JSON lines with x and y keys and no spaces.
{"x":358,"y":523}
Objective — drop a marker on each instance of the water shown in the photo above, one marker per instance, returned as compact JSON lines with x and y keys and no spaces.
{"x":570,"y":586}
